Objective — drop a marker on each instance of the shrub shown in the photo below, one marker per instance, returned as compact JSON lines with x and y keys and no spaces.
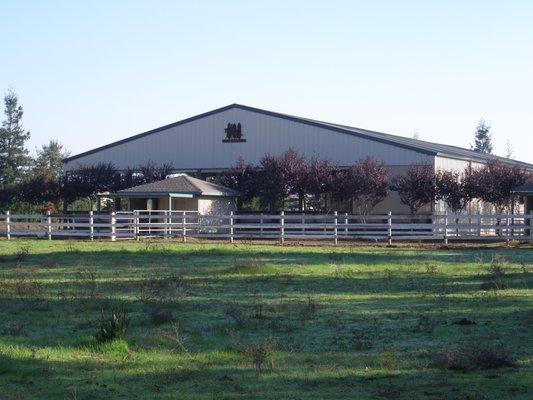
{"x":113,"y":326}
{"x":473,"y":356}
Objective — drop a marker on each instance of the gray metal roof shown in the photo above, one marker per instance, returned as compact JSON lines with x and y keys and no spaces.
{"x":401,"y":141}
{"x":524,"y":189}
{"x":417,"y":144}
{"x":179,"y":184}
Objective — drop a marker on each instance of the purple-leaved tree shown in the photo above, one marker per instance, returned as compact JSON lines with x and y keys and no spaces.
{"x":416,"y":187}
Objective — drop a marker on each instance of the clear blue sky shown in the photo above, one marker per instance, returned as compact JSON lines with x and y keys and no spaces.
{"x":88,"y":73}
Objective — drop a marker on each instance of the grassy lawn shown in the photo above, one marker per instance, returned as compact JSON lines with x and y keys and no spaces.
{"x":265,"y":322}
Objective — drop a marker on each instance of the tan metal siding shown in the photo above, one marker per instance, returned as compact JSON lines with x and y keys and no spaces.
{"x":452,"y":164}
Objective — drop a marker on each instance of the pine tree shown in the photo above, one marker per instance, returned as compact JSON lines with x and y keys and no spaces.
{"x":483,"y":140}
{"x":49,"y":161}
{"x":14,"y":156}
{"x":509,"y":149}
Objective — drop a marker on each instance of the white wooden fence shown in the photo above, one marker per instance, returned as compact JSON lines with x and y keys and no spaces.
{"x":281,"y":227}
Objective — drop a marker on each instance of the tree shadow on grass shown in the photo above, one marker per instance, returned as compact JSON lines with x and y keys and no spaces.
{"x":300,"y":377}
{"x":280,"y":256}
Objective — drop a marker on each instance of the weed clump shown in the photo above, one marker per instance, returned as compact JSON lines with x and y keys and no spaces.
{"x":247,"y":266}
{"x":237,"y":315}
{"x":261,"y":353}
{"x":87,"y":280}
{"x":495,"y":279}
{"x":169,"y":288}
{"x":432,"y":269}
{"x":50,"y":262}
{"x":308,"y":309}
{"x":473,"y":356}
{"x":160,"y":317}
{"x":113,"y":326}
{"x":177,"y":338}
{"x":22,"y":254}
{"x":426,"y":322}
{"x":13,"y":328}
{"x":27,"y":288}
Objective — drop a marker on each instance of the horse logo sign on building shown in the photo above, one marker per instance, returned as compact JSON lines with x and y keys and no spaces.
{"x":233,"y":133}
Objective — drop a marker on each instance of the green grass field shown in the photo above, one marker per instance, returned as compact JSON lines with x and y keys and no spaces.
{"x":265,"y":322}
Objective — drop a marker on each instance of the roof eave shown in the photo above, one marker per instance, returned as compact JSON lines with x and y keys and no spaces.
{"x":485,"y":159}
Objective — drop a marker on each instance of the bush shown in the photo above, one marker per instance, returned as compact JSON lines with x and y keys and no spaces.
{"x":473,"y":356}
{"x":113,"y":326}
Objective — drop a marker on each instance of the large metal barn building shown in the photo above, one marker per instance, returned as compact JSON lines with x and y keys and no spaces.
{"x":211,"y":142}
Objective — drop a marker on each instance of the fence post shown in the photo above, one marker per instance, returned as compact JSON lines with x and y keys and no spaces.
{"x":136,"y":224}
{"x":91,"y":225}
{"x":231,"y":226}
{"x":183,"y":226}
{"x":261,"y":225}
{"x":48,"y":225}
{"x":530,"y":226}
{"x":282,"y":229}
{"x":479,"y":224}
{"x":8,"y":225}
{"x":165,"y":224}
{"x":507,"y":230}
{"x":446,"y":227}
{"x":346,"y":223}
{"x":335,"y":232}
{"x":389,"y":228}
{"x":113,"y":221}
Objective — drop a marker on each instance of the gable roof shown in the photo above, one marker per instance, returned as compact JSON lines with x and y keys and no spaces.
{"x":179,"y":184}
{"x":421,"y":146}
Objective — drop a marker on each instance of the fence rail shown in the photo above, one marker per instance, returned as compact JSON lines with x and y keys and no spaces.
{"x":335,"y":226}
